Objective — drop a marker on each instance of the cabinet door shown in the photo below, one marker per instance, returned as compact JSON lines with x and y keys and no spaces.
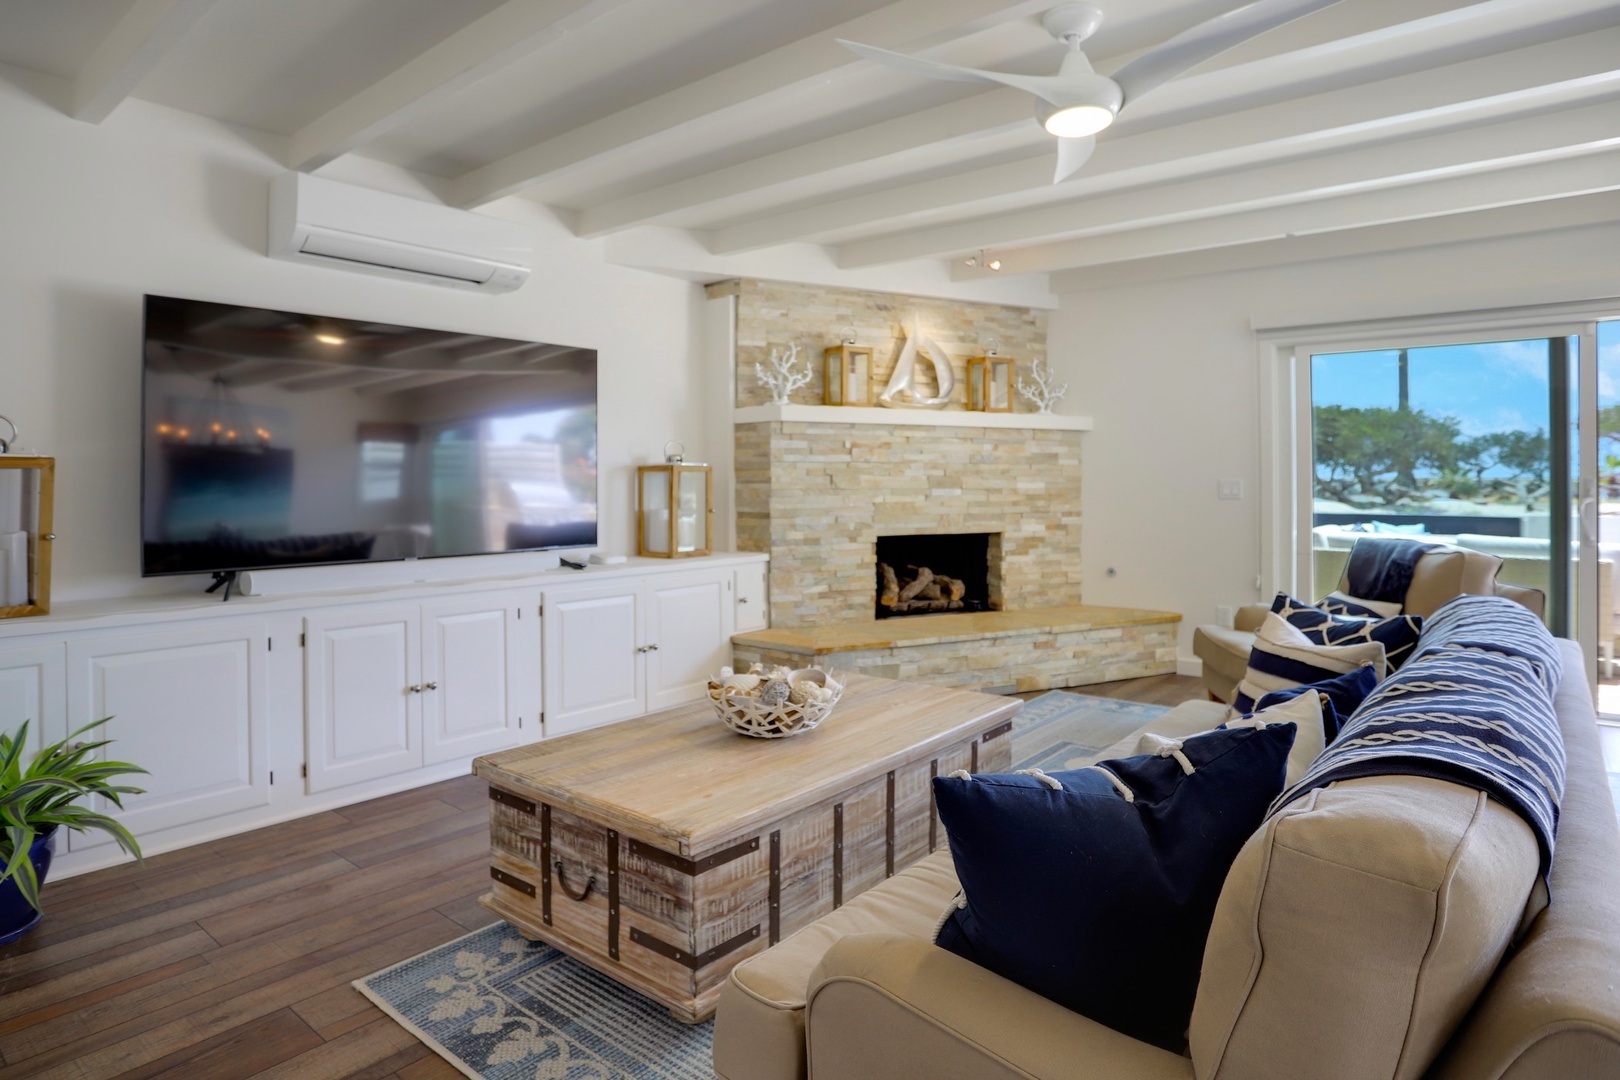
{"x":363,"y":696}
{"x":33,"y":687}
{"x":472,"y":672}
{"x":688,"y":636}
{"x":750,"y":598}
{"x":190,"y":706}
{"x":593,"y":673}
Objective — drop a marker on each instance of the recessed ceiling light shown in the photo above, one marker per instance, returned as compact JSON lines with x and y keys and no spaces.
{"x":994,"y":264}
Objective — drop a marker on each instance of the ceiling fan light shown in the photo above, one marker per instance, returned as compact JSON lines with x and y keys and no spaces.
{"x":1077,"y":121}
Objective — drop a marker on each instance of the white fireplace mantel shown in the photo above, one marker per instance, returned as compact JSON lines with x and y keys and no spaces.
{"x":847,"y":414}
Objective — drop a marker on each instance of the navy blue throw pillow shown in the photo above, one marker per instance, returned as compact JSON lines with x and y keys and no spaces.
{"x":1098,"y":899}
{"x":1343,"y":695}
{"x":1399,"y":634}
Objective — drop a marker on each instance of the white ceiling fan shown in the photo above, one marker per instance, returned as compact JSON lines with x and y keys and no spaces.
{"x":1076,"y":103}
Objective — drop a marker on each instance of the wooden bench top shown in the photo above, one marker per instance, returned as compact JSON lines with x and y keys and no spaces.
{"x":683,"y":780}
{"x":949,"y":626}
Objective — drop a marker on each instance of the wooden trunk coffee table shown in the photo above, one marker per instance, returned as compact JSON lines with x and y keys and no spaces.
{"x":665,"y":850}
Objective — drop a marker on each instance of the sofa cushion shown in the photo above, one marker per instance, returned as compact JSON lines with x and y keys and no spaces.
{"x":1448,"y":572}
{"x":1283,"y":657}
{"x":1225,"y":655}
{"x":1304,"y":711}
{"x":1341,"y":696}
{"x":1094,"y":887}
{"x":1356,"y":928}
{"x":1398,"y":633}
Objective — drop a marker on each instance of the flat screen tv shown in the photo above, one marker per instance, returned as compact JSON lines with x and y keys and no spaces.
{"x":276,"y":439}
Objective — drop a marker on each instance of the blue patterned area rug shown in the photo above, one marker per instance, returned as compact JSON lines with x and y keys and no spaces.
{"x":499,"y":1007}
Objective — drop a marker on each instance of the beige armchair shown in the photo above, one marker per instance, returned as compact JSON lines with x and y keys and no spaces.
{"x":1438,"y":577}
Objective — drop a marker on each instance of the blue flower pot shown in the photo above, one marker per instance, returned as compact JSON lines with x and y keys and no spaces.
{"x":17,"y":917}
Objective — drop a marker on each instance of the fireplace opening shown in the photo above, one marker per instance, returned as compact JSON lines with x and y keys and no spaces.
{"x":937,"y":572}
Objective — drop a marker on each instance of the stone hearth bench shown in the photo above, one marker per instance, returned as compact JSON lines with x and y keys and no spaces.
{"x":1032,"y":649}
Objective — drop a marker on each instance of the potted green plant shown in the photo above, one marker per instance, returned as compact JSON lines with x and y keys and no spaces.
{"x":37,"y":800}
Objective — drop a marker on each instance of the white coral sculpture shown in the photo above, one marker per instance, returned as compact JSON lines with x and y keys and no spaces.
{"x":784,"y":375}
{"x":1043,"y":392}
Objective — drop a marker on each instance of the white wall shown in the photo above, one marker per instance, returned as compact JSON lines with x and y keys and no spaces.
{"x":158,"y":201}
{"x":1171,"y":372}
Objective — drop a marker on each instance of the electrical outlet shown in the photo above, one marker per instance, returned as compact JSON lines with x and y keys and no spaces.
{"x":1229,"y":489}
{"x":1225,"y":615}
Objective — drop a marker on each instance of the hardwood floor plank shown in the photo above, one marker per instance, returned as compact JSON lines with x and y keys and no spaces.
{"x":35,"y":1004}
{"x":466,"y":792}
{"x":432,"y":1067}
{"x":233,"y":864}
{"x":463,"y":826}
{"x":46,"y":947}
{"x":467,"y":911}
{"x":149,"y":1037}
{"x":243,"y":1051}
{"x":27,"y":977}
{"x":357,"y":886}
{"x":371,"y":1052}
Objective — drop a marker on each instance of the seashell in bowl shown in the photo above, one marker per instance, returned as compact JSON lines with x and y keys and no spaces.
{"x":776,"y":707}
{"x":745,"y":684}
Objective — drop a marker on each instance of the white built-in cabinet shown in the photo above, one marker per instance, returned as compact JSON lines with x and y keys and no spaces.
{"x":269,"y":708}
{"x":390,"y":688}
{"x":189,"y":704}
{"x":620,"y":650}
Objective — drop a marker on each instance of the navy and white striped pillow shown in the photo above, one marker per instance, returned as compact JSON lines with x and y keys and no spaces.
{"x":1399,"y":635}
{"x":1283,"y":657}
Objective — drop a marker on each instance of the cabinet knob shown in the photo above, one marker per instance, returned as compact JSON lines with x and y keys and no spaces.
{"x":414,"y":689}
{"x":648,"y":648}
{"x":430,"y":686}
{"x":742,"y":599}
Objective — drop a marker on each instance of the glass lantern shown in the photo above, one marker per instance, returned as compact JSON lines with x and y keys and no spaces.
{"x":848,"y":377}
{"x":990,"y":383}
{"x":674,"y":504}
{"x":26,"y":494}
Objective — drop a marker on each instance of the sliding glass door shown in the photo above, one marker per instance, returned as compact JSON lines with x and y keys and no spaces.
{"x":1502,"y":443}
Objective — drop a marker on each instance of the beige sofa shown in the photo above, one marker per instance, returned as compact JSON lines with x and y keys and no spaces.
{"x":1437,"y":577}
{"x":1359,"y":935}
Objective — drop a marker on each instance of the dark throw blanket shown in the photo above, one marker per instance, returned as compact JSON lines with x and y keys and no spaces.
{"x":1472,"y":706}
{"x":1381,"y":568}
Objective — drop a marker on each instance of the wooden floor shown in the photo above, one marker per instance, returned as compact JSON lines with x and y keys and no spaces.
{"x":233,"y":959}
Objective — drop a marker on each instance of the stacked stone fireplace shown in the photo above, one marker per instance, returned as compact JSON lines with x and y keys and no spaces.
{"x":819,"y":496}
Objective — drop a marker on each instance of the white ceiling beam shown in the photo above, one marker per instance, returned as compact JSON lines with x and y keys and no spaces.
{"x":1409,"y":150}
{"x":959,"y":122}
{"x":1135,"y":156}
{"x":792,"y":68}
{"x":1576,"y":212}
{"x":139,"y":41}
{"x":510,"y":33}
{"x":1535,"y":183}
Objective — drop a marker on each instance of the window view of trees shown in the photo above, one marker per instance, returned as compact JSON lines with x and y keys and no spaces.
{"x":1381,"y":457}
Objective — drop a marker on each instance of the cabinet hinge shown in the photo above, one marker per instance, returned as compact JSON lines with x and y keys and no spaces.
{"x":270,"y":644}
{"x":303,"y":771}
{"x":272,"y":778}
{"x":542,"y":609}
{"x":303,"y":639}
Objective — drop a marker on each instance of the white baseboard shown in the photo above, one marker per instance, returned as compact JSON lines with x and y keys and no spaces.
{"x":1190,"y":665}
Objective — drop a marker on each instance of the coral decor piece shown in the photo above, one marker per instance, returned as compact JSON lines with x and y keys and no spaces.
{"x":900,"y":393}
{"x":1042,"y":392}
{"x":784,"y":375}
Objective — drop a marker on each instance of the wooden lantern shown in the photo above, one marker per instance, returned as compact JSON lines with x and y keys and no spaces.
{"x":990,"y":383}
{"x":848,"y":379}
{"x":27,"y":492}
{"x":674,"y":508}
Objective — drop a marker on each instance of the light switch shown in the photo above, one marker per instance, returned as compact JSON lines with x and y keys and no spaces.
{"x":1229,"y":489}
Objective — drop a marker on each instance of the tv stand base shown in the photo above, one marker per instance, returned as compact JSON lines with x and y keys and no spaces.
{"x":226,"y":578}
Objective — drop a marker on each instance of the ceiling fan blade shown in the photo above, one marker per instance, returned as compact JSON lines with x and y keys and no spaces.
{"x":1071,"y":155}
{"x":1190,"y":48}
{"x":1039,"y":85}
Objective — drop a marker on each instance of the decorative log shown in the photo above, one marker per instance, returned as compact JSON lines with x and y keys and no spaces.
{"x":889,"y":594}
{"x":920,"y":582}
{"x":955,"y":588}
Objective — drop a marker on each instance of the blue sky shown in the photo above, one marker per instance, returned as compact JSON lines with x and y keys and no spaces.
{"x":1495,"y":387}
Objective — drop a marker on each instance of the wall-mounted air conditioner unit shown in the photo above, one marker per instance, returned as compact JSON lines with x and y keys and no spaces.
{"x":321,"y":221}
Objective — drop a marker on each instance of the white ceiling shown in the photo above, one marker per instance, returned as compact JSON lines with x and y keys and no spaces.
{"x":740,"y":127}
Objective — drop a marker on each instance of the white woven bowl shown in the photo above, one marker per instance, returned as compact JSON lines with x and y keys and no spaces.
{"x":747,"y":715}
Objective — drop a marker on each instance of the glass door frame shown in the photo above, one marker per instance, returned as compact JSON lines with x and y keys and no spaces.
{"x":1287,"y":460}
